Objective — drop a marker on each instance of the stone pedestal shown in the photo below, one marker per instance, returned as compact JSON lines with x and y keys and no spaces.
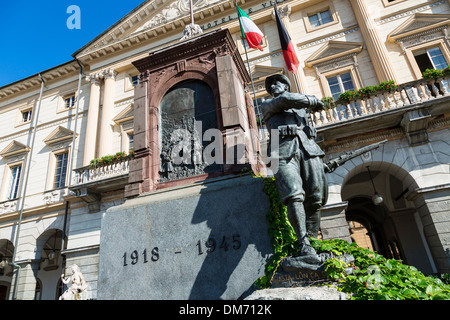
{"x":198,"y":241}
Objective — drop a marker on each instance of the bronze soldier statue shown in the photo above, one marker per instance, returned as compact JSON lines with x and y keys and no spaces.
{"x":300,"y":177}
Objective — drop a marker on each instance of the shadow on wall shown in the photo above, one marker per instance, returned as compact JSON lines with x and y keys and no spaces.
{"x":238,"y":245}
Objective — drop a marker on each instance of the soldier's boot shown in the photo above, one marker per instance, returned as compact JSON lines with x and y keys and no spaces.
{"x":297,"y":219}
{"x":313,"y":220}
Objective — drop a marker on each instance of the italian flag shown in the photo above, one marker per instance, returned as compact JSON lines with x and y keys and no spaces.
{"x":249,"y":30}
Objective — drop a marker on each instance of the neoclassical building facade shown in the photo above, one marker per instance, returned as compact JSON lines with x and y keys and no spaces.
{"x":55,"y":123}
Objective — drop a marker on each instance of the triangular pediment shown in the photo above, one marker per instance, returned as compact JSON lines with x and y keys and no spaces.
{"x":260,"y":73}
{"x":147,"y":21}
{"x":59,"y":135}
{"x":332,"y":50}
{"x":126,"y":115}
{"x":13,"y":149}
{"x":418,"y":23}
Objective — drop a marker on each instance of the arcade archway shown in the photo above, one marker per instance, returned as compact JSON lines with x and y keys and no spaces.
{"x":393,"y":227}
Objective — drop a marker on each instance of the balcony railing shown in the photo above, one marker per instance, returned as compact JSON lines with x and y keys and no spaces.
{"x":87,"y":175}
{"x":89,"y":183}
{"x":406,"y":94}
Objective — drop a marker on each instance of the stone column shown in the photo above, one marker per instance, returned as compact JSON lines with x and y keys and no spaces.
{"x":375,"y":46}
{"x":90,"y":141}
{"x":284,"y":13}
{"x":106,"y":123}
{"x":333,"y":223}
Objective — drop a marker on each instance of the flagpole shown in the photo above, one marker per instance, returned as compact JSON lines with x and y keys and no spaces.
{"x":259,"y":115}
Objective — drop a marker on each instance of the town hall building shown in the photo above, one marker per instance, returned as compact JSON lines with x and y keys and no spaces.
{"x":85,"y":146}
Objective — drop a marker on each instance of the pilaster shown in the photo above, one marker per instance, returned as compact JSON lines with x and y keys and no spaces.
{"x":377,"y":50}
{"x":106,"y":124}
{"x":90,"y":142}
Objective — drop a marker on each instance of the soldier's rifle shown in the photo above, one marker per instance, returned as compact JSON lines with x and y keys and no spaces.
{"x":333,"y":164}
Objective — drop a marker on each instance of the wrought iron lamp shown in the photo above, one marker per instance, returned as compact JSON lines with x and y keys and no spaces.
{"x":376,"y":198}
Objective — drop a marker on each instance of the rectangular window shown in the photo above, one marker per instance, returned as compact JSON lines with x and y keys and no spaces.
{"x":69,"y":102}
{"x":61,"y":170}
{"x":430,"y":58}
{"x":26,"y":116}
{"x":340,"y":83}
{"x":130,"y":141}
{"x":14,"y":182}
{"x":320,"y":18}
{"x":135,"y":81}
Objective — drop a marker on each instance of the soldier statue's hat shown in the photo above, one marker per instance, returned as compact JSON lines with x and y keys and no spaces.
{"x":277,"y":77}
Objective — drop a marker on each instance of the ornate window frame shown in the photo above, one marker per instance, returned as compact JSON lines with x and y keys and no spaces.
{"x":422,"y":31}
{"x":328,"y":5}
{"x":333,"y":58}
{"x":437,"y":43}
{"x":20,"y":114}
{"x":125,"y":121}
{"x":13,"y":155}
{"x":58,"y":141}
{"x":346,"y":69}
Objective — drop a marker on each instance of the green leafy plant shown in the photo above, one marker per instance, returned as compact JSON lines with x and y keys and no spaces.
{"x":110,"y":159}
{"x":328,"y":103}
{"x":377,"y":278}
{"x":347,"y":96}
{"x":446,"y":71}
{"x":386,"y":86}
{"x":430,"y":74}
{"x":283,"y":238}
{"x":365,"y":92}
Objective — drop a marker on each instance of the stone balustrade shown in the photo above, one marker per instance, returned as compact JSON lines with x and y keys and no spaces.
{"x":86,"y":174}
{"x":406,"y":94}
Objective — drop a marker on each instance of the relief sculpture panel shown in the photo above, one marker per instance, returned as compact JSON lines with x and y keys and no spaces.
{"x":186,"y":112}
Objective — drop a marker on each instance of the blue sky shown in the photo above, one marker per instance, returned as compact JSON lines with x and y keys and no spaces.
{"x":35,"y":36}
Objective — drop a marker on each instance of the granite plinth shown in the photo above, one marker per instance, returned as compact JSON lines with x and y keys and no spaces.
{"x":202,"y":241}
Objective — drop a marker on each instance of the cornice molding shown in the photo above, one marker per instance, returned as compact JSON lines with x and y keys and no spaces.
{"x":34,"y":82}
{"x":419,"y":23}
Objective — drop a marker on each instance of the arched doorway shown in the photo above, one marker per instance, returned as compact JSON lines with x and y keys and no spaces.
{"x":393,"y":226}
{"x":50,"y":269}
{"x":6,"y":270}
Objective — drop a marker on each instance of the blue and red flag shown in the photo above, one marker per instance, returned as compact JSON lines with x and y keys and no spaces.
{"x":287,"y":46}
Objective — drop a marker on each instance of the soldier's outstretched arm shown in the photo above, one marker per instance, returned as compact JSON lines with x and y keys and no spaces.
{"x":289,"y":100}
